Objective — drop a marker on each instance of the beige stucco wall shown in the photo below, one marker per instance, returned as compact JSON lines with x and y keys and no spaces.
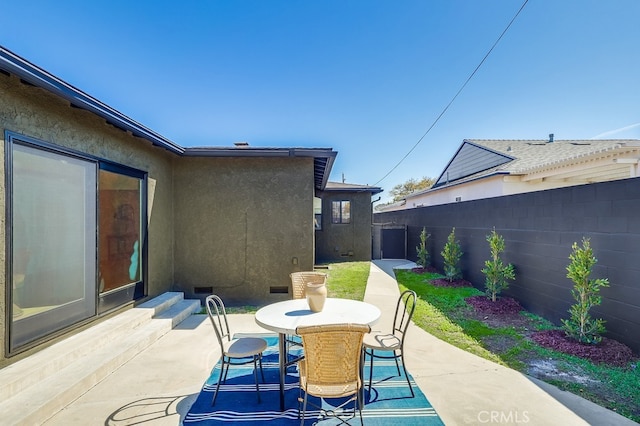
{"x":38,"y":114}
{"x":242,"y":225}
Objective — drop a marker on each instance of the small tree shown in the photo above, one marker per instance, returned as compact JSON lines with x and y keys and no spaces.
{"x":581,"y":326}
{"x":424,"y":259}
{"x":496,"y":272}
{"x":452,"y":254}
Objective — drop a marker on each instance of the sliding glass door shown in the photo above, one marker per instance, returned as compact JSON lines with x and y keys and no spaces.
{"x":52,"y":242}
{"x":75,"y":238}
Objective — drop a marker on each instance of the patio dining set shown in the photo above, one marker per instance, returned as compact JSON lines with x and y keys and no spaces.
{"x":335,"y":337}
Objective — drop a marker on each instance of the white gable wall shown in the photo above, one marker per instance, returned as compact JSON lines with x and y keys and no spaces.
{"x":493,"y":186}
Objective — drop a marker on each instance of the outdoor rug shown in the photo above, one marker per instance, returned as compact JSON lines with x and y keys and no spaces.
{"x":389,"y":401}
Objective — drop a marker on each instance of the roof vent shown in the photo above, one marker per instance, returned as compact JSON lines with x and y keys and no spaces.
{"x":550,"y":137}
{"x":241,"y":144}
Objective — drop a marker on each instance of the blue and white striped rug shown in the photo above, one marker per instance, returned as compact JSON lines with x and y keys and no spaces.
{"x":388,"y":403}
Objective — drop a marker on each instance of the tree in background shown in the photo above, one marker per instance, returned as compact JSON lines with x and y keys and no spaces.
{"x":581,"y":326}
{"x":401,"y":190}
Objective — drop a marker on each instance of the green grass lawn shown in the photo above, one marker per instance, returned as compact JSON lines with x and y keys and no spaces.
{"x":443,"y":312}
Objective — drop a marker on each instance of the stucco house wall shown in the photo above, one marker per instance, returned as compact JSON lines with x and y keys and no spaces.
{"x":345,"y":241}
{"x":242,"y":226}
{"x":234,"y":221}
{"x":36,"y":113}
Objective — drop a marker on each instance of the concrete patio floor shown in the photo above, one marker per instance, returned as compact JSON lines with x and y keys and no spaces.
{"x":159,"y":385}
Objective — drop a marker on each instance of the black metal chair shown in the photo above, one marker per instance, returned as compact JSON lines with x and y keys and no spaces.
{"x":394,"y":341}
{"x":233,"y":351}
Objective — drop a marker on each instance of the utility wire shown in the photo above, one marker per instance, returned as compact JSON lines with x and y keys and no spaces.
{"x":456,"y":95}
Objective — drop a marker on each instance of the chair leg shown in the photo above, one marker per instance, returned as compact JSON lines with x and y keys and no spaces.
{"x":304,"y":410}
{"x":361,"y":373}
{"x":215,"y":393}
{"x":227,"y":362}
{"x":395,"y":357}
{"x":360,"y":404}
{"x":406,"y":375}
{"x":255,"y":376}
{"x":261,"y":371}
{"x":370,"y":368}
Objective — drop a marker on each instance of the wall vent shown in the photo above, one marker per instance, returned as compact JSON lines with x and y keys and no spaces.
{"x":279,"y":290}
{"x":203,"y":290}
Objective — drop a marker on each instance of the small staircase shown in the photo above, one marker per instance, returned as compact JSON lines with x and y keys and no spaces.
{"x":35,"y":388}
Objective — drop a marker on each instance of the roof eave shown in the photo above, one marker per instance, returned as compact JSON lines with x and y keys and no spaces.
{"x":32,"y":74}
{"x":36,"y":76}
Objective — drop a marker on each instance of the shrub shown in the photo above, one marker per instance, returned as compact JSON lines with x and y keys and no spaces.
{"x":496,"y":272}
{"x":424,"y":259}
{"x":581,"y":326}
{"x":452,"y":254}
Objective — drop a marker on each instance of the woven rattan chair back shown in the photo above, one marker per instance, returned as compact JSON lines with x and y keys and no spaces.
{"x":332,"y":364}
{"x":299,"y":281}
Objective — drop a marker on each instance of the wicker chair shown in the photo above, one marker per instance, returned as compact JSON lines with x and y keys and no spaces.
{"x":393,"y":342}
{"x":233,"y":351}
{"x":332,"y":366}
{"x":299,"y":281}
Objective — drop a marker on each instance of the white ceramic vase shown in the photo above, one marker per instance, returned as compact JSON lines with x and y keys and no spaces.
{"x":316,"y":296}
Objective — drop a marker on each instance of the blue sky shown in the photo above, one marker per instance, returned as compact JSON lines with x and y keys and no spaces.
{"x":366,"y":78}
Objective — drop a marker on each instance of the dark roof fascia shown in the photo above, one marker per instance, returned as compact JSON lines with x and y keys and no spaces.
{"x":323,"y":158}
{"x":466,"y":141}
{"x":257,"y":152}
{"x":32,"y":74}
{"x":372,"y":189}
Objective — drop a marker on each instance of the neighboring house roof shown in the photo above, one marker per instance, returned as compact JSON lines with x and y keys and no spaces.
{"x":350,"y":187}
{"x":582,"y":161}
{"x":526,"y":165}
{"x":31,"y":74}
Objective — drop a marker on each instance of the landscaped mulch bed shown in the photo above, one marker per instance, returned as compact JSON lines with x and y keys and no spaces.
{"x":502,"y":305}
{"x":608,"y":351}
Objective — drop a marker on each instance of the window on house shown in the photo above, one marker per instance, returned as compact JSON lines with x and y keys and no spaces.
{"x":341,"y":212}
{"x":317,"y":213}
{"x":120,"y":202}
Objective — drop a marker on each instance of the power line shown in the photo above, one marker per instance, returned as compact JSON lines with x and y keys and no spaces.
{"x":455,"y":96}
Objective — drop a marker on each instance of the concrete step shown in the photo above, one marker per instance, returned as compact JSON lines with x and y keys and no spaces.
{"x":34,"y":389}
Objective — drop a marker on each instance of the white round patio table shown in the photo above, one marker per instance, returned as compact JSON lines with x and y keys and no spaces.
{"x":284,"y":317}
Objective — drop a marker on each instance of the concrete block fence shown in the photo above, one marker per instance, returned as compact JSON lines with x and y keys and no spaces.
{"x":539,"y":229}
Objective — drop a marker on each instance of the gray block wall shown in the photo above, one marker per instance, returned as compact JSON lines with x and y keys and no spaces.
{"x":539,"y":229}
